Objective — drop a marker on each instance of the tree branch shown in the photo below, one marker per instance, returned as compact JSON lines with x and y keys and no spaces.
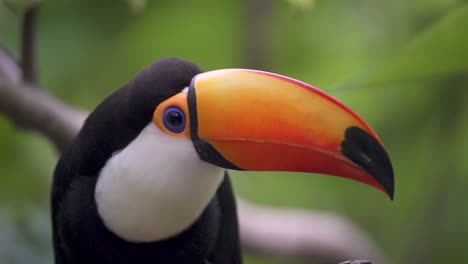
{"x":258,"y":14}
{"x":35,"y":109}
{"x":287,"y":233}
{"x":292,"y":233}
{"x":28,"y":46}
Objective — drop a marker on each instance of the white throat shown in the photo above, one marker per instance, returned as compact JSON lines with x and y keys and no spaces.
{"x":155,"y":188}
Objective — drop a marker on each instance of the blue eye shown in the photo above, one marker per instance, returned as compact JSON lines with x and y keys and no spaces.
{"x":174,"y":119}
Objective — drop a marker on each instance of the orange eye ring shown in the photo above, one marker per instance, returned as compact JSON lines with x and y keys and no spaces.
{"x":172,"y":116}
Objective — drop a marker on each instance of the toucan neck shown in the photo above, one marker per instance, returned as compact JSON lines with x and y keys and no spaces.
{"x":154,"y":188}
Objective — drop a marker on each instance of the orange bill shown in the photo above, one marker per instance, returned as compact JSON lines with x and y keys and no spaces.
{"x":262,"y":121}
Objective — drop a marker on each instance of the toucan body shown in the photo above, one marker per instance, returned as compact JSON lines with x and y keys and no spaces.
{"x":145,"y":179}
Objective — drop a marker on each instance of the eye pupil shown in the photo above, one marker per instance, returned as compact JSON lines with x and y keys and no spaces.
{"x":174,"y":119}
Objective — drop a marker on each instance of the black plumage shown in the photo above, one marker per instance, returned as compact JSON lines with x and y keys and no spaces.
{"x":78,"y":232}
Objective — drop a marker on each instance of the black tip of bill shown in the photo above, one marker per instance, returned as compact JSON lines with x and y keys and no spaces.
{"x":364,"y":150}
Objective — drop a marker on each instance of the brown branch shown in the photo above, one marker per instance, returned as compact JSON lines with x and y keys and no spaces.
{"x":258,"y":15}
{"x":36,"y":110}
{"x":9,"y":68}
{"x":317,"y":236}
{"x":286,"y":233}
{"x":28,"y":46}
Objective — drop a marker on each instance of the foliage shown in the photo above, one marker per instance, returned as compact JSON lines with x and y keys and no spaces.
{"x":403,"y":65}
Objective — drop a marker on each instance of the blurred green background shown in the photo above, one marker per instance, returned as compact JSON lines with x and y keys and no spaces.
{"x":402,"y":65}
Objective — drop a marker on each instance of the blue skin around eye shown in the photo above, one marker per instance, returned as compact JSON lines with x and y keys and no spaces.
{"x":178,"y":128}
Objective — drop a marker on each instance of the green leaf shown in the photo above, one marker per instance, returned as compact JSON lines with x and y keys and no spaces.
{"x":440,"y":50}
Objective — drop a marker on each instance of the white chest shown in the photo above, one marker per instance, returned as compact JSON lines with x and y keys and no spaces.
{"x":155,"y":187}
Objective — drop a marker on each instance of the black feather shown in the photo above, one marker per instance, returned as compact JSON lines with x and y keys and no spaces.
{"x":79,"y":234}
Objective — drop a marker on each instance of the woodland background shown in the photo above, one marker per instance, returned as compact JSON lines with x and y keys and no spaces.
{"x":402,"y":65}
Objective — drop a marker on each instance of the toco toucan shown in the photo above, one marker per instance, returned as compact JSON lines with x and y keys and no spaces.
{"x":145,"y":179}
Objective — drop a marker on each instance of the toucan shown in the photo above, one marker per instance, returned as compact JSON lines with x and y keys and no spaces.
{"x":145,"y":179}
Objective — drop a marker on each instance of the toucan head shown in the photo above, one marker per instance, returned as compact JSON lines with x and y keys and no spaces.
{"x":259,"y":121}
